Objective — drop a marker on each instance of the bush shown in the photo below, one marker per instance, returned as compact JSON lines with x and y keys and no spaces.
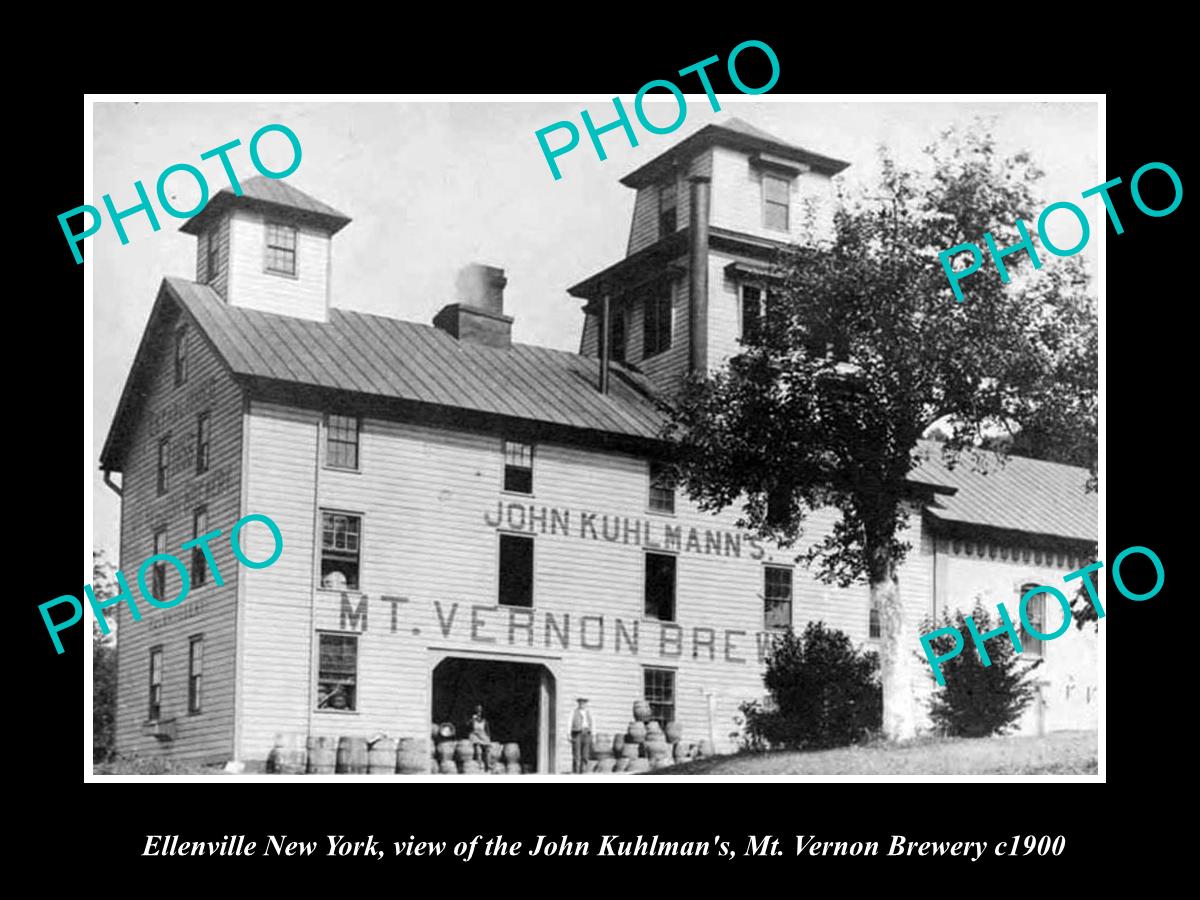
{"x":978,"y":700}
{"x":104,"y":696}
{"x":823,"y":693}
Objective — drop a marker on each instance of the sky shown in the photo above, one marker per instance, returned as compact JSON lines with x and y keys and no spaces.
{"x":431,"y":186}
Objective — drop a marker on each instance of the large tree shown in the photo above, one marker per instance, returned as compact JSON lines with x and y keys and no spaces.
{"x":863,"y":347}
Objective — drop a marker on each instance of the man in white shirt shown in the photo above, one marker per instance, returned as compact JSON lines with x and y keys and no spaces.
{"x":581,"y":736}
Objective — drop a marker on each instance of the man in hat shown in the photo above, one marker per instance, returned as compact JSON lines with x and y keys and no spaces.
{"x":581,"y":735}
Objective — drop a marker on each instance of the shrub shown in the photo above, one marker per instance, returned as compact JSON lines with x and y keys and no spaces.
{"x":823,"y":693}
{"x":978,"y":700}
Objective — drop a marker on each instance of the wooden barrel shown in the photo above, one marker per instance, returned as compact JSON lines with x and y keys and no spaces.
{"x":289,"y":756}
{"x":512,"y":753}
{"x":381,"y":758}
{"x":445,"y":751}
{"x":448,"y":767}
{"x":631,"y":751}
{"x":590,"y":765}
{"x":352,"y":756}
{"x":512,"y":768}
{"x":446,"y":731}
{"x":493,"y":753}
{"x":684,"y":750}
{"x":641,"y":711}
{"x":662,"y":762}
{"x":658,"y":749}
{"x":704,"y":748}
{"x":322,"y":756}
{"x":412,"y":756}
{"x":674,"y":731}
{"x":621,"y":765}
{"x":463,"y":751}
{"x":636,"y":733}
{"x":433,"y":767}
{"x":602,"y":746}
{"x":639,"y":765}
{"x":605,"y":765}
{"x":497,"y":768}
{"x":472,"y":767}
{"x":617,"y":743}
{"x":654,"y":732}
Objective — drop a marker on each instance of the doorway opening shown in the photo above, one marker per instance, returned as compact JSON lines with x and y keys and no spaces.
{"x":517,"y":700}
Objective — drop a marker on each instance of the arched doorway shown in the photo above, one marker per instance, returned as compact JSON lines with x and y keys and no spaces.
{"x":517,"y":700}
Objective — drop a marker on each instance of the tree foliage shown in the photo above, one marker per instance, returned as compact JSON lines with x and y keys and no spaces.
{"x":104,"y":666}
{"x":824,"y":692}
{"x":863,"y":347}
{"x":978,"y":700}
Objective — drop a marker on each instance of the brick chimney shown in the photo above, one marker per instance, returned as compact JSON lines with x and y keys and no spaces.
{"x":478,"y":317}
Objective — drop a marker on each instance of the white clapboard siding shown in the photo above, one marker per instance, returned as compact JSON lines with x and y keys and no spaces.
{"x":305,"y":296}
{"x":209,"y":610}
{"x":737,"y":202}
{"x":429,"y":499}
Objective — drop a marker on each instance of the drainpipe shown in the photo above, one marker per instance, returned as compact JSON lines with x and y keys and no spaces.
{"x":116,"y":488}
{"x":698,"y":275}
{"x":605,"y":351}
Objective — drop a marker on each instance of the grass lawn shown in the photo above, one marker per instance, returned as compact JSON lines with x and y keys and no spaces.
{"x":1060,"y":753}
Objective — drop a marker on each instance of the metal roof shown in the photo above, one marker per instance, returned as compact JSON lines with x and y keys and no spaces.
{"x":273,"y":193}
{"x":733,"y":132}
{"x":1018,"y":494}
{"x":386,"y":357}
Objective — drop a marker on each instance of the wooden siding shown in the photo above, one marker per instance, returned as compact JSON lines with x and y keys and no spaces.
{"x":667,"y":368}
{"x":643,"y":229}
{"x":429,"y":500}
{"x":305,"y":296}
{"x":737,"y":201}
{"x":1069,"y":675}
{"x":209,"y":610}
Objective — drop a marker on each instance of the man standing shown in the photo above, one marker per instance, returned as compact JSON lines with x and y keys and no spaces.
{"x":581,"y":736}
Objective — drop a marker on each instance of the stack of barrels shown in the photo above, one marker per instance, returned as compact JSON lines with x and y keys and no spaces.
{"x":646,"y":744}
{"x":459,"y":758}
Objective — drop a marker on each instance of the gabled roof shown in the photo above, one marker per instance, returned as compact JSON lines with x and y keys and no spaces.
{"x":732,"y":132}
{"x":386,"y":358}
{"x":1020,"y":494}
{"x":272,"y":195}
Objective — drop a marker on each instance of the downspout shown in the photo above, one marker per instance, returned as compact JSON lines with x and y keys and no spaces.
{"x":116,"y":488}
{"x":698,"y":275}
{"x":605,"y":351}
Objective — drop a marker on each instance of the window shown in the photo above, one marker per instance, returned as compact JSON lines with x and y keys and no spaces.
{"x":660,"y":587}
{"x":659,"y":689}
{"x":777,"y":596}
{"x":662,"y":492}
{"x":616,"y":335}
{"x":156,"y":682}
{"x":281,"y":249}
{"x":181,"y":356}
{"x":751,"y":313}
{"x":213,"y":256}
{"x":516,"y":570}
{"x":518,"y":467}
{"x":202,"y":436}
{"x":158,"y":575}
{"x":1035,"y":612}
{"x":776,"y":197}
{"x":656,"y":323}
{"x":668,"y":198}
{"x":337,"y":673}
{"x":199,"y":573}
{"x":875,"y":628}
{"x":340,"y":547}
{"x":341,"y":441}
{"x":164,"y":457}
{"x":195,"y":671}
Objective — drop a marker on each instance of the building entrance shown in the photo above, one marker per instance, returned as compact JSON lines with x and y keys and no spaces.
{"x":517,"y":701}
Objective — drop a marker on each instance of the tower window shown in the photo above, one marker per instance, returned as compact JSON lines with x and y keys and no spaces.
{"x":776,"y":200}
{"x":616,"y":335}
{"x":181,"y":356}
{"x":281,"y":250}
{"x":668,"y":199}
{"x":656,"y":323}
{"x":213,"y":256}
{"x":751,"y":313}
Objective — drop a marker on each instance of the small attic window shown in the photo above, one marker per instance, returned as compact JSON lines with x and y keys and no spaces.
{"x":668,"y":202}
{"x":281,"y":250}
{"x":213,"y":257}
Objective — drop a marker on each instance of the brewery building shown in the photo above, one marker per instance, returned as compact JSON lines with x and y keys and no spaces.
{"x":471,"y":521}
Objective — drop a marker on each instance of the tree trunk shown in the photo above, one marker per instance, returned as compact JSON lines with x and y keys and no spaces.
{"x":899,"y":708}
